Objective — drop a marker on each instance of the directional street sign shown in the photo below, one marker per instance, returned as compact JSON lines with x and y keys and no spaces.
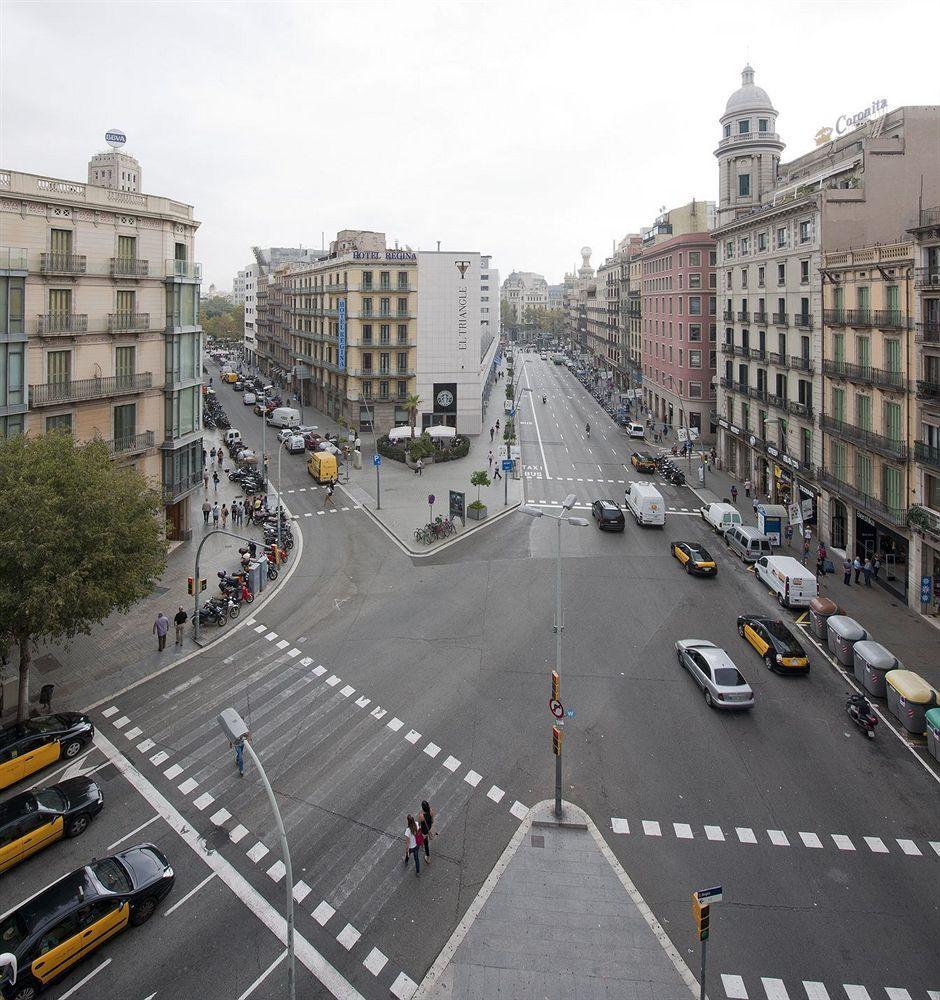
{"x":712,"y":895}
{"x":507,"y":465}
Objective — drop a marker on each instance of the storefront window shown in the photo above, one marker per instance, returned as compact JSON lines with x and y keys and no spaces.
{"x":838,"y":523}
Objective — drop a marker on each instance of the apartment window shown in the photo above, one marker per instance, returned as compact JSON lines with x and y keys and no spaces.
{"x":744,"y":126}
{"x":782,"y":236}
{"x":806,"y":232}
{"x":806,"y":446}
{"x":403,"y":389}
{"x":367,"y":307}
{"x":402,"y":333}
{"x":763,"y":125}
{"x":12,"y":305}
{"x":893,"y":355}
{"x":695,"y":258}
{"x":891,"y":487}
{"x":745,"y":245}
{"x":385,"y":307}
{"x":383,"y":390}
{"x":781,"y":275}
{"x":893,"y":302}
{"x":59,"y":367}
{"x":760,"y":277}
{"x":729,"y":250}
{"x":385,"y":280}
{"x":366,"y":390}
{"x":891,"y":418}
{"x":838,"y":347}
{"x":862,"y":298}
{"x":744,"y":277}
{"x":838,"y":404}
{"x":367,"y":280}
{"x":729,"y":279}
{"x":125,"y":425}
{"x":804,"y":272}
{"x":385,"y":364}
{"x":837,"y":458}
{"x":863,"y":473}
{"x":402,"y":360}
{"x":402,"y":279}
{"x":695,"y":390}
{"x":60,"y":303}
{"x":863,"y":352}
{"x":367,"y":362}
{"x":713,"y":280}
{"x":761,"y":241}
{"x":403,"y":307}
{"x":695,"y":359}
{"x":125,"y":362}
{"x":59,"y":422}
{"x":713,"y":257}
{"x":863,"y":411}
{"x":695,"y":305}
{"x":728,"y":131}
{"x":695,"y":331}
{"x":367,"y":333}
{"x":744,"y":185}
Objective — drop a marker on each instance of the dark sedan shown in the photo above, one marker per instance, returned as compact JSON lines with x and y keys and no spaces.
{"x":53,"y":931}
{"x":779,"y":647}
{"x":26,"y":747}
{"x":32,"y":821}
{"x":608,"y":515}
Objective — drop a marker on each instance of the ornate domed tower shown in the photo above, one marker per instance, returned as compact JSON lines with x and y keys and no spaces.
{"x":585,"y":270}
{"x":749,"y":150}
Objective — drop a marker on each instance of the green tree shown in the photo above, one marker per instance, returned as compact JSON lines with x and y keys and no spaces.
{"x":411,"y":404}
{"x":82,"y":538}
{"x":478,"y":479}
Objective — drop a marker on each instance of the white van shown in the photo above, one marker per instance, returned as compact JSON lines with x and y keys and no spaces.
{"x":721,"y":516}
{"x":749,"y":543}
{"x":789,"y":579}
{"x":284,"y":416}
{"x":646,"y":504}
{"x":635,"y":430}
{"x":232,"y":436}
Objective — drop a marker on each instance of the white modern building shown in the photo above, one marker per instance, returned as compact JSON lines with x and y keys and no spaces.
{"x":245,"y":293}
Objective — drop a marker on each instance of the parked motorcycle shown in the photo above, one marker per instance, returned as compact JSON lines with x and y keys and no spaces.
{"x":860,"y":712}
{"x":228,"y":605}
{"x":211,"y":614}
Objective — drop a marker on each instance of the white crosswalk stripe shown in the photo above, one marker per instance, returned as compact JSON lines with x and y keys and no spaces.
{"x":734,"y":987}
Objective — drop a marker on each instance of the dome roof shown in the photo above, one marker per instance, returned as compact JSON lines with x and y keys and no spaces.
{"x":749,"y":97}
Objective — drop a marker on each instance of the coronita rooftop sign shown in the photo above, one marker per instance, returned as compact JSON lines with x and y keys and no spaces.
{"x":845,"y":123}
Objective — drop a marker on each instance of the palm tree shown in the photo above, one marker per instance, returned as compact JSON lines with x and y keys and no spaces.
{"x":412,"y":403}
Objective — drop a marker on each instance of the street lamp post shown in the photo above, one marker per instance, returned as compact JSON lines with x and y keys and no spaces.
{"x":578,"y":522}
{"x":264,"y":423}
{"x":235,"y":729}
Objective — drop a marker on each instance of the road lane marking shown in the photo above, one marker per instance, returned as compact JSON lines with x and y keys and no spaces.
{"x":137,"y":829}
{"x":220,"y":817}
{"x":810,"y":840}
{"x":326,"y":973}
{"x":536,"y":421}
{"x":714,"y":833}
{"x":876,"y":845}
{"x":257,"y":852}
{"x":276,"y":872}
{"x":146,"y":745}
{"x":842,"y":842}
{"x":121,"y":723}
{"x":348,"y":936}
{"x":239,"y":833}
{"x":909,"y":847}
{"x":651,"y":828}
{"x":683,"y":831}
{"x":452,"y":764}
{"x":203,"y":802}
{"x":412,"y":736}
{"x":301,"y":891}
{"x":192,"y":892}
{"x":159,"y":758}
{"x":519,"y":810}
{"x":323,"y":913}
{"x":778,"y":838}
{"x":619,"y":825}
{"x":132,"y":734}
{"x":81,"y":982}
{"x":815,"y":991}
{"x":108,"y":712}
{"x":495,"y":793}
{"x":854,"y":992}
{"x":188,"y":785}
{"x":404,"y":988}
{"x":173,"y":771}
{"x":472,"y":778}
{"x":774,"y":989}
{"x":264,"y":975}
{"x":375,"y":961}
{"x":734,"y":987}
{"x":745,"y":835}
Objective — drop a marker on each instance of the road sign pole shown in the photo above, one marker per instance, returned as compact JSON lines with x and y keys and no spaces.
{"x":506,"y":489}
{"x":558,"y":627}
{"x":701,"y":987}
{"x":378,"y":489}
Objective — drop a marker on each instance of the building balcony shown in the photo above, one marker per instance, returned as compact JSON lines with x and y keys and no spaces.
{"x":188,"y":270}
{"x":740,"y":387}
{"x":172,"y":492}
{"x":927,"y":278}
{"x":798,"y":409}
{"x":760,"y":318}
{"x":62,"y":263}
{"x":51,"y":393}
{"x":864,"y":375}
{"x":798,"y":362}
{"x":858,"y":318}
{"x":13,"y":259}
{"x":755,"y":392}
{"x":890,"y":319}
{"x":726,"y":383}
{"x":757,"y":353}
{"x":129,"y":267}
{"x":889,"y":447}
{"x":777,"y":359}
{"x":893,"y":515}
{"x":924,"y":520}
{"x":927,"y":454}
{"x":740,"y":137}
{"x":131,"y":444}
{"x":728,"y":315}
{"x":928,"y":332}
{"x":803,"y":321}
{"x":778,"y":402}
{"x":125,"y":322}
{"x":928,"y":391}
{"x":833,"y":317}
{"x":744,"y":316}
{"x":780,"y":319}
{"x":727,"y":348}
{"x":62,"y":324}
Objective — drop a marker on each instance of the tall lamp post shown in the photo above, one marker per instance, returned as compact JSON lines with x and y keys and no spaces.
{"x":577,"y":522}
{"x":235,"y":729}
{"x":264,"y":423}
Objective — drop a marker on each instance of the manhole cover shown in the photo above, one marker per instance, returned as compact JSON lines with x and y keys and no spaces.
{"x":538,"y":840}
{"x":46,"y":664}
{"x":106,"y":773}
{"x":216,"y":840}
{"x":161,"y":590}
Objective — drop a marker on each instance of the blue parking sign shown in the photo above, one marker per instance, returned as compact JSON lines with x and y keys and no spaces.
{"x":376,"y":460}
{"x":507,"y":465}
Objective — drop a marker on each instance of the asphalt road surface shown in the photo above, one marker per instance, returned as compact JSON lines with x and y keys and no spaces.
{"x":374,"y":681}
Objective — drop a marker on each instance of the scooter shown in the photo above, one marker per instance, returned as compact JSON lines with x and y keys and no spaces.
{"x":212,"y":614}
{"x":860,"y":712}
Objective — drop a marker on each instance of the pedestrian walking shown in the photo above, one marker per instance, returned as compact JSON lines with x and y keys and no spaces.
{"x":747,"y":487}
{"x":497,"y":425}
{"x":788,"y":533}
{"x":857,"y":566}
{"x":496,"y":473}
{"x":205,"y":480}
{"x":876,"y":566}
{"x":419,"y":467}
{"x":239,"y":747}
{"x":821,"y":560}
{"x":330,"y":490}
{"x":236,"y":513}
{"x":425,"y":822}
{"x":867,"y":570}
{"x":215,"y":481}
{"x":805,"y":553}
{"x":219,"y":457}
{"x":224,"y":516}
{"x":215,"y":514}
{"x":754,"y":503}
{"x":160,"y":628}
{"x":212,"y":454}
{"x":179,"y":620}
{"x":847,"y":571}
{"x":490,"y":460}
{"x":411,"y":843}
{"x":206,"y":511}
{"x":203,"y":457}
{"x":734,"y":493}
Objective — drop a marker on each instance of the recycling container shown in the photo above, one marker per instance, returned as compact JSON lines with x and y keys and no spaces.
{"x":257,"y":570}
{"x":909,"y":698}
{"x":821,"y":609}
{"x":933,"y":732}
{"x":872,"y":661}
{"x":843,"y":633}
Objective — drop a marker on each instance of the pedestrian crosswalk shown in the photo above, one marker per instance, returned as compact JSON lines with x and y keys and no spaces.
{"x":346,"y":771}
{"x":898,"y":846}
{"x":735,"y":987}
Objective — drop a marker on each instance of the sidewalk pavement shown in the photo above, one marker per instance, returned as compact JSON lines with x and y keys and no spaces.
{"x":910,"y":636}
{"x":558,"y":917}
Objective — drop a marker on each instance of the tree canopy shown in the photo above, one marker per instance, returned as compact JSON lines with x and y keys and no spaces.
{"x":81,"y":538}
{"x":222,"y":319}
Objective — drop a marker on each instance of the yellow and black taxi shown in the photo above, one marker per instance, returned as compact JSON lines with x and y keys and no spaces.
{"x":26,"y":747}
{"x":31,"y":821}
{"x":695,"y":558}
{"x":775,"y":642}
{"x":643,"y":462}
{"x":49,"y":934}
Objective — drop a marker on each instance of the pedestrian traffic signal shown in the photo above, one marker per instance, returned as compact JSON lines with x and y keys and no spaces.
{"x":700,"y":914}
{"x":557,"y":736}
{"x":190,"y":586}
{"x":556,"y":686}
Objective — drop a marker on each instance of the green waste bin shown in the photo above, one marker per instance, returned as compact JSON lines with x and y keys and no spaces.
{"x":932,"y":719}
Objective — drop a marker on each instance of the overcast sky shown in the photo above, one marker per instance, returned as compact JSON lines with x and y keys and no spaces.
{"x":524,"y":130}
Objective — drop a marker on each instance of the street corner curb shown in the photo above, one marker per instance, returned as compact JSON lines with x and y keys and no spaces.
{"x":438,"y":982}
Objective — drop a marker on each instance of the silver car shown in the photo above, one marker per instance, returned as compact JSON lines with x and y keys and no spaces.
{"x":715,"y":673}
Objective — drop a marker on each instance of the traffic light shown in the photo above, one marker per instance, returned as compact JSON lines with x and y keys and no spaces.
{"x":202,"y":585}
{"x":557,"y":736}
{"x":556,"y":686}
{"x":700,"y":916}
{"x":190,"y":586}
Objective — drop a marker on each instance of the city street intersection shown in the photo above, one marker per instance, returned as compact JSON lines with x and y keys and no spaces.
{"x":373,"y":680}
